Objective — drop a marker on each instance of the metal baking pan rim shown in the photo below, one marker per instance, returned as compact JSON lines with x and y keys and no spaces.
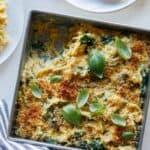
{"x":41,"y":143}
{"x":106,"y":24}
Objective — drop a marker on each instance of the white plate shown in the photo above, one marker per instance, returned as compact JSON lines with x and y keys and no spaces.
{"x":14,"y":27}
{"x":101,"y":6}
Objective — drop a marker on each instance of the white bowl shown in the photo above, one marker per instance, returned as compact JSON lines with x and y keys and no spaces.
{"x":101,"y":6}
{"x":14,"y":27}
{"x":110,"y":1}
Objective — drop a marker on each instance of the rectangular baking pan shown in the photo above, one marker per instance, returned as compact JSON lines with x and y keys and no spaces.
{"x":66,"y":21}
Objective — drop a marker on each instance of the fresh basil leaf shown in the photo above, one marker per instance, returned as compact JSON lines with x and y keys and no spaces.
{"x":123,"y":50}
{"x":96,"y":62}
{"x":128,"y":135}
{"x":71,"y":114}
{"x":36,"y":91}
{"x":97,"y":107}
{"x":86,"y":39}
{"x":118,"y":120}
{"x":55,"y":78}
{"x":107,"y":39}
{"x":82,"y":97}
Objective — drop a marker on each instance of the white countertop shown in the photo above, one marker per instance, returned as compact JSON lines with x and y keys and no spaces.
{"x":137,"y":15}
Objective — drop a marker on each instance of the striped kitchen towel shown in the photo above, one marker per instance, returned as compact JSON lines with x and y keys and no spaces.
{"x":5,"y":143}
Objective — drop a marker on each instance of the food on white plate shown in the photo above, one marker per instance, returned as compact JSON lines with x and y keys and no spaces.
{"x":3,"y":23}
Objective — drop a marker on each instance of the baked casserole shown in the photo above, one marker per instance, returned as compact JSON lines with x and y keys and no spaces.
{"x":87,"y":95}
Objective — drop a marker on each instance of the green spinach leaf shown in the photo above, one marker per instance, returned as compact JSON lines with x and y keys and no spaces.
{"x":97,"y":107}
{"x":55,"y":78}
{"x":123,"y":50}
{"x":36,"y":91}
{"x":118,"y":120}
{"x":128,"y":135}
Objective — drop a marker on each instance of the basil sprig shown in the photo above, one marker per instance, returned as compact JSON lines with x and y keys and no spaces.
{"x":82,"y":97}
{"x":36,"y":91}
{"x":71,"y":114}
{"x":97,"y":107}
{"x":123,"y":50}
{"x":118,"y":120}
{"x":55,"y":78}
{"x":127,"y":134}
{"x":96,"y":63}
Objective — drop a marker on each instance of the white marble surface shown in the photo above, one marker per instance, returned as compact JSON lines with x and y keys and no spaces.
{"x":136,"y":15}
